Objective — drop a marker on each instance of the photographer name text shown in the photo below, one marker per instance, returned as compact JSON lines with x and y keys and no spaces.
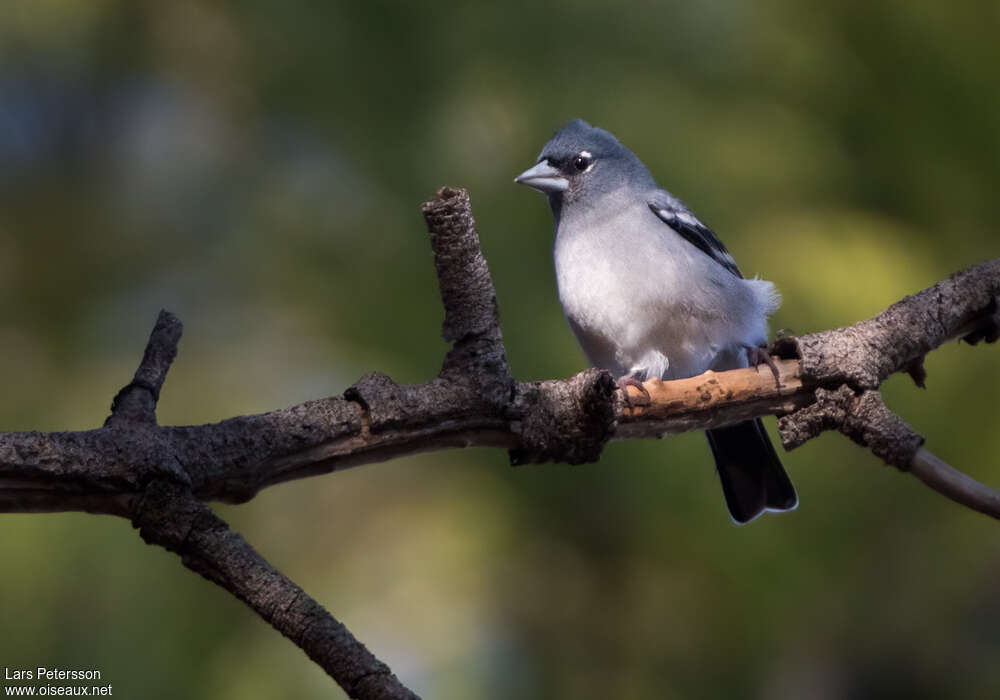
{"x":41,"y":673}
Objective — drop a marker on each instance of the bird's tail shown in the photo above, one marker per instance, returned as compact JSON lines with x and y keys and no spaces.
{"x":753,"y":479}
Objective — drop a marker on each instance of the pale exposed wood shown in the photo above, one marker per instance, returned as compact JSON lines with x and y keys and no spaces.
{"x":713,"y":399}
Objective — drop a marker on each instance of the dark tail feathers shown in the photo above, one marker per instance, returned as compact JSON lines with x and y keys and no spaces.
{"x":753,"y":479}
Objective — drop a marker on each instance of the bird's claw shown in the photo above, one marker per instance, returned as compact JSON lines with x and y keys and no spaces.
{"x":625,"y":382}
{"x":760,"y":356}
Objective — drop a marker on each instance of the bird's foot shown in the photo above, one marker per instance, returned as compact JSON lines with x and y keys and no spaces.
{"x":624,"y":382}
{"x":757,"y":356}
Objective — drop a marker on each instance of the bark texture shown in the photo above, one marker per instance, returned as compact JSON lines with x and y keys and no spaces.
{"x":865,"y":354}
{"x":160,"y":476}
{"x":170,"y":517}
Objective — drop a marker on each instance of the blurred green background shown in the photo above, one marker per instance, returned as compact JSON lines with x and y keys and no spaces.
{"x":258,"y":167}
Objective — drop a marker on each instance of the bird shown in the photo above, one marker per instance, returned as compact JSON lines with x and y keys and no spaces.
{"x":651,"y":292}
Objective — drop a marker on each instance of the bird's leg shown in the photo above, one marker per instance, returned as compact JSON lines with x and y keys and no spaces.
{"x":632,"y":379}
{"x":758,"y":356}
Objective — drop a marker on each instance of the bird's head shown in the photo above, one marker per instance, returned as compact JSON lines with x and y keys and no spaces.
{"x":583,"y":163}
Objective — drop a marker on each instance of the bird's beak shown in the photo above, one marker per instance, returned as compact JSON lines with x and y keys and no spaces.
{"x":544,"y":178}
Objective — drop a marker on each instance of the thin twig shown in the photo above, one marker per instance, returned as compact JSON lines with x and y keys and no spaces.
{"x":956,"y":485}
{"x":136,"y":401}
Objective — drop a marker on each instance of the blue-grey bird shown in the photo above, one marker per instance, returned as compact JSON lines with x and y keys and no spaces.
{"x":650,"y":291}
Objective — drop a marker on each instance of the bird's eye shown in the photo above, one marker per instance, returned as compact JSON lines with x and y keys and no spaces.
{"x":582,"y":161}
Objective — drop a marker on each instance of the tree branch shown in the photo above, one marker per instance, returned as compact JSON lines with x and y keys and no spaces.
{"x":865,"y":354}
{"x":157,"y":476}
{"x":137,"y":399}
{"x":953,"y":484}
{"x":170,"y":517}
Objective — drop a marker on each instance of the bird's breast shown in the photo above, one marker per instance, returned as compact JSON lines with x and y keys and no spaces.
{"x":629,"y":289}
{"x":612,"y":290}
{"x":593,"y":281}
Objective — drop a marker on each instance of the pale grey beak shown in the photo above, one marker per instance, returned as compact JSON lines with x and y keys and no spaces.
{"x":544,"y":178}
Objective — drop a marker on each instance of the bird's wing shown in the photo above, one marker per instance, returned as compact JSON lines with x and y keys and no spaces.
{"x":678,"y":217}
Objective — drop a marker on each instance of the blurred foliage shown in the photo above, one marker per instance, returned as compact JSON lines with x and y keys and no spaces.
{"x":257,"y":168}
